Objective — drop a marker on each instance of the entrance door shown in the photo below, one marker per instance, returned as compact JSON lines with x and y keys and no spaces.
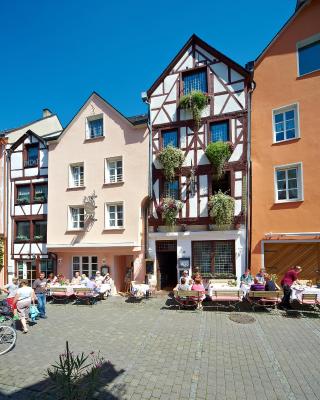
{"x":167,"y":263}
{"x":27,"y":270}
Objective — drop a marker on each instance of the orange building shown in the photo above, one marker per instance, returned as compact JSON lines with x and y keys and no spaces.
{"x":285,"y":225}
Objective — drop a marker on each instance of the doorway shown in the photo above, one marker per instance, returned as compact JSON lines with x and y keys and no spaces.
{"x":27,"y":270}
{"x":167,"y":263}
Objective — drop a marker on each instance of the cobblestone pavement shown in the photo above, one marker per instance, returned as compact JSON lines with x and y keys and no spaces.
{"x":157,"y":353}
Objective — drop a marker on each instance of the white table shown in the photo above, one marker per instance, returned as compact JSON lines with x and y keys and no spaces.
{"x":222,"y":287}
{"x":298,"y":291}
{"x":140,"y":288}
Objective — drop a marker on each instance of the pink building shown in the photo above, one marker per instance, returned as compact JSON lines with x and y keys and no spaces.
{"x":98,"y":186}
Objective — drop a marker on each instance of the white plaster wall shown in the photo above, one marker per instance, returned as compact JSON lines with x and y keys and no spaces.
{"x":16,"y":161}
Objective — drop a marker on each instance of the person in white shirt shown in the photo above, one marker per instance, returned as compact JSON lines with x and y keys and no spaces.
{"x":99,"y":278}
{"x":185,"y":274}
{"x":25,"y":295}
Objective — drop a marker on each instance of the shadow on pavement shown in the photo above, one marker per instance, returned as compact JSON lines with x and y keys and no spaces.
{"x":43,"y":389}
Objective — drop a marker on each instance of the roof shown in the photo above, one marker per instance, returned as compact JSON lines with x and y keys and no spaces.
{"x":23,"y":137}
{"x":300,"y":5}
{"x":194,"y":39}
{"x":134,"y":121}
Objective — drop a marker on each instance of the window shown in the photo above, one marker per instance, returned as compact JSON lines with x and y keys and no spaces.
{"x":76,"y":175}
{"x":95,"y":127}
{"x":40,"y":193}
{"x":170,"y":138}
{"x":46,"y":266}
{"x":22,"y":231}
{"x":23,"y":194}
{"x":219,"y":131}
{"x":114,"y":171}
{"x":171,"y":189}
{"x":288,"y":181}
{"x":76,"y":218}
{"x":40,"y":231}
{"x":285,"y":123}
{"x":32,"y":151}
{"x":195,"y":81}
{"x":85,"y":265}
{"x":309,"y":55}
{"x":114,"y":216}
{"x":214,"y":257}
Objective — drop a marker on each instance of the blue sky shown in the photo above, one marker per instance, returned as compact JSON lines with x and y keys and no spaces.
{"x":54,"y":53}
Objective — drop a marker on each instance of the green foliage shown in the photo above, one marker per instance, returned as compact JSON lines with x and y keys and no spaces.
{"x":221,"y":208}
{"x":75,"y":377}
{"x":218,"y":154}
{"x":171,"y":158}
{"x":196,"y":102}
{"x":169,"y":209}
{"x":1,"y":252}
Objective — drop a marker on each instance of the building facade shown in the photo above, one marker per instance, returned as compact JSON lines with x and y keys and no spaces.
{"x":195,"y":241}
{"x":285,"y":148}
{"x":98,"y":190}
{"x":24,"y":181}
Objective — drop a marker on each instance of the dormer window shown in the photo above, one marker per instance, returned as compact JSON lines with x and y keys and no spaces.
{"x":195,"y":81}
{"x":94,"y":127}
{"x":32,"y":155}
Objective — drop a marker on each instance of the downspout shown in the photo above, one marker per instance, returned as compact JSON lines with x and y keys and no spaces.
{"x":146,"y":225}
{"x":249,"y":172}
{"x":7,"y":168}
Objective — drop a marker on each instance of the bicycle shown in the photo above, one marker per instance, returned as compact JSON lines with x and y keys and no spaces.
{"x":8,"y":334}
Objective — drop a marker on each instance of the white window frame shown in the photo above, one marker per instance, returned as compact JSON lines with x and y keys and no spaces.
{"x":107,"y":170}
{"x":71,"y":178}
{"x":107,"y":219}
{"x":81,"y":263}
{"x":282,"y":110}
{"x":299,"y":167}
{"x":70,"y":220}
{"x":94,"y":118}
{"x":303,"y":43}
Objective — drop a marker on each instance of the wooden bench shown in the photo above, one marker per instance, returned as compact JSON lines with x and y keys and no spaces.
{"x":87,"y":295}
{"x":183,"y":297}
{"x":222,"y":297}
{"x":59,"y":294}
{"x":310,"y":299}
{"x":264,"y":298}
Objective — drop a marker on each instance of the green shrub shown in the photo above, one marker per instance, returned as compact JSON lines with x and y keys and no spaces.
{"x":218,"y":153}
{"x":221,"y":208}
{"x":171,"y":158}
{"x":196,"y":101}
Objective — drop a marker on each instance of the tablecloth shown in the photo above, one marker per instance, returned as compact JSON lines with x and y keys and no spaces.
{"x":297,"y":292}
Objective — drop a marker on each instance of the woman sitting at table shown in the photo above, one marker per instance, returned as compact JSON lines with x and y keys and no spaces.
{"x":76,"y":280}
{"x":84,"y":279}
{"x":198,"y":286}
{"x":52,"y":279}
{"x":261,"y":275}
{"x":184,"y":285}
{"x":270,"y":285}
{"x":246,"y":278}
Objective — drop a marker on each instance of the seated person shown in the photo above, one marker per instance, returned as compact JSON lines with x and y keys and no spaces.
{"x":76,"y":280}
{"x":184,"y":285}
{"x":270,"y":285}
{"x":246,"y":278}
{"x":198,"y":286}
{"x":261,"y":275}
{"x":84,"y":279}
{"x":185,"y":275}
{"x":52,"y":279}
{"x":91,"y":284}
{"x":98,"y":278}
{"x":257,"y":286}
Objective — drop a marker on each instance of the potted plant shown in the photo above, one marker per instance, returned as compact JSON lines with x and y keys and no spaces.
{"x":38,"y":238}
{"x":22,"y":200}
{"x":195,"y":101}
{"x":221,"y":209}
{"x":169,"y":209}
{"x":218,"y":153}
{"x":21,"y":238}
{"x":40,"y":197}
{"x":171,"y":159}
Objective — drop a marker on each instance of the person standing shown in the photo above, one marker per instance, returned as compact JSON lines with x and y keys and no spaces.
{"x":40,"y":288}
{"x":11,"y":290}
{"x":24,"y":296}
{"x":289,"y":278}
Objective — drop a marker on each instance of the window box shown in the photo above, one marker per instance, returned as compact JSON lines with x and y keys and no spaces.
{"x":23,"y":201}
{"x":39,"y":238}
{"x":288,"y":183}
{"x":22,"y":238}
{"x":285,"y":122}
{"x":40,"y":199}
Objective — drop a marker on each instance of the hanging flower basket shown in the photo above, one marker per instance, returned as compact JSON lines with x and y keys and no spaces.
{"x":196,"y":101}
{"x":169,"y":210}
{"x":171,"y":159}
{"x":218,"y":153}
{"x":221,"y":208}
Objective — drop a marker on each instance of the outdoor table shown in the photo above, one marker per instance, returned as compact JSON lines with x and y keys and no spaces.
{"x":224,"y":288}
{"x":298,"y":291}
{"x":140,"y":288}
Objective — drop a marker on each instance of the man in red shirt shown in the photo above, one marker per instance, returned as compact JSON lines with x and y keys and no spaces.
{"x":289,"y":278}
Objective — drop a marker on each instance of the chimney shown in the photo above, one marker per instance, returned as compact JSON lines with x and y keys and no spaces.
{"x":46,"y":113}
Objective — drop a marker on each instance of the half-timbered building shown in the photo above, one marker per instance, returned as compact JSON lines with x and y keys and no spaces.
{"x":195,"y":240}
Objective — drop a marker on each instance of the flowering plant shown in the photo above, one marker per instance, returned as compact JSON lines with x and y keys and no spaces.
{"x":195,"y":101}
{"x":221,"y":208}
{"x":169,"y":209}
{"x":171,"y":159}
{"x":75,"y":377}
